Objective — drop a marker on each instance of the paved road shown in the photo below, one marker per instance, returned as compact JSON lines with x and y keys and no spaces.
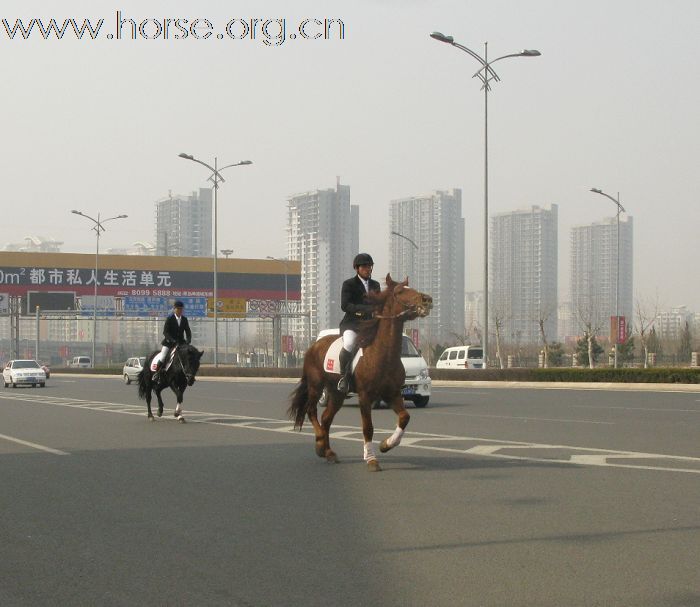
{"x":496,"y":497}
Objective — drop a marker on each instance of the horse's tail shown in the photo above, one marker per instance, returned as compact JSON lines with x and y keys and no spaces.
{"x":144,"y":384}
{"x":299,"y":399}
{"x":144,"y":377}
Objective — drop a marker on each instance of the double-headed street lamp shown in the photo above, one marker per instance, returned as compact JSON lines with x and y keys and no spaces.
{"x":486,"y":74}
{"x":216,"y":179}
{"x":620,"y":209}
{"x":99,"y":228}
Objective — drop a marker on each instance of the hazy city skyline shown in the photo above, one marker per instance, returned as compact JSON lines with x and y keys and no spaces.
{"x":98,"y":125}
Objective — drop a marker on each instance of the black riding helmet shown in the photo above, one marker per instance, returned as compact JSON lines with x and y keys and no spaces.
{"x":362,"y":259}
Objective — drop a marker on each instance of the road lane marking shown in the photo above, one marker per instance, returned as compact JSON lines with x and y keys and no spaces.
{"x":19,"y":441}
{"x":539,"y":419}
{"x":636,"y":408}
{"x":461,"y":445}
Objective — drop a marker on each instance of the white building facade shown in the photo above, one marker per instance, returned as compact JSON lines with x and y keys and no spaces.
{"x":523,"y":274}
{"x":323,"y":234}
{"x":184,"y":225}
{"x":430,"y":251}
{"x":594,"y":284}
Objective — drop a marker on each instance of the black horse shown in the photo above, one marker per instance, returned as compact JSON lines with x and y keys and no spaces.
{"x":177,"y":377}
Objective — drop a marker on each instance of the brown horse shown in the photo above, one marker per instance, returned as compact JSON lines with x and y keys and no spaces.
{"x":379,"y":373}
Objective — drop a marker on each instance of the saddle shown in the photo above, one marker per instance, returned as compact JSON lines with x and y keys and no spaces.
{"x":331,"y":363}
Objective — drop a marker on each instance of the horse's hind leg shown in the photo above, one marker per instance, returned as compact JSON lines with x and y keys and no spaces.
{"x":404,"y":417}
{"x":323,"y":444}
{"x":148,"y":404}
{"x":160,"y":402}
{"x":178,"y":408}
{"x":312,"y":412}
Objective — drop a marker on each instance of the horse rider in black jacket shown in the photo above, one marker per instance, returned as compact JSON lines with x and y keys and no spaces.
{"x":353,"y":301}
{"x":176,"y":331}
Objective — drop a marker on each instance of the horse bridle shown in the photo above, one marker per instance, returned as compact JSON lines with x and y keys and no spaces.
{"x":407,"y":309}
{"x":186,"y":370}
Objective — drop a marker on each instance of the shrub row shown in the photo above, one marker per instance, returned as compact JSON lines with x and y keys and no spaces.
{"x":663,"y":375}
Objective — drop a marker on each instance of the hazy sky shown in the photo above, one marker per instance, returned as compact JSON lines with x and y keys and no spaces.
{"x":611,"y":103}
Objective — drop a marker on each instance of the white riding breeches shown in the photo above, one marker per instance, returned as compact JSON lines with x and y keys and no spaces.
{"x":163,"y":356}
{"x":349,"y":339}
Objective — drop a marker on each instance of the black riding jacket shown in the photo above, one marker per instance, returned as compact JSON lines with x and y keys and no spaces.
{"x":353,"y":301}
{"x":174,"y":334}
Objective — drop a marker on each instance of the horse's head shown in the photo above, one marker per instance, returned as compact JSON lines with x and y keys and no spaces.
{"x":190,"y":363}
{"x":405,"y":302}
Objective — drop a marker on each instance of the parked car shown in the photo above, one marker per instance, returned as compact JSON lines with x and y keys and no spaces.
{"x":84,"y":362}
{"x":23,"y":373}
{"x":461,"y":357}
{"x":418,"y":384}
{"x":132,"y":368}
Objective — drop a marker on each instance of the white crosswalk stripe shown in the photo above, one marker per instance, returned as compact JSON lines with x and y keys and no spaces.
{"x":443,"y":443}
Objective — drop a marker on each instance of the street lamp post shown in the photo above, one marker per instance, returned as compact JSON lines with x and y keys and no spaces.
{"x":216,"y":179}
{"x":286,"y":300}
{"x":226,"y":252}
{"x":99,"y":228}
{"x":620,"y":209}
{"x":486,"y":74}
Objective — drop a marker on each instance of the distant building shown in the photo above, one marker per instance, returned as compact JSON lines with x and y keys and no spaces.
{"x":430,"y":251}
{"x":323,"y":234}
{"x":138,"y":248}
{"x":523,"y":274}
{"x":671,"y":324}
{"x":35,"y":244}
{"x":184,"y":225}
{"x":593,"y":277}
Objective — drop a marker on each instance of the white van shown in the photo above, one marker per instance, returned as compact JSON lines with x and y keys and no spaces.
{"x":418,"y":384}
{"x":461,"y":357}
{"x":84,"y":362}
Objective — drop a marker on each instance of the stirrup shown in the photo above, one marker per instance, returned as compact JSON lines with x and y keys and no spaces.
{"x":343,"y":385}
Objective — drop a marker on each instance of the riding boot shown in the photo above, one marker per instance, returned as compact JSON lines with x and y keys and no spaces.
{"x":345,"y":370}
{"x":156,"y":374}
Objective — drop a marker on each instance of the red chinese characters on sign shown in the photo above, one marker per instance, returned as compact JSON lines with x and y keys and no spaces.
{"x":330,"y":364}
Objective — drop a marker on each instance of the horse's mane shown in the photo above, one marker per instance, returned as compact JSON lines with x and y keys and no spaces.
{"x":368,"y":328}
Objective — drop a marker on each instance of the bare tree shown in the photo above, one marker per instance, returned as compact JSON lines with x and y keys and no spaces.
{"x":544,"y":314}
{"x":647,"y":311}
{"x":498,"y":322}
{"x":591,"y":324}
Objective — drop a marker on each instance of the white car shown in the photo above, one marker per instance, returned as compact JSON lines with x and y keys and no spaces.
{"x":418,"y":384}
{"x":23,"y":373}
{"x":132,"y":368}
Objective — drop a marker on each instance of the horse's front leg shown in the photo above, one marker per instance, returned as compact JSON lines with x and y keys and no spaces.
{"x":404,"y":417}
{"x":368,"y":433}
{"x":179,"y":395}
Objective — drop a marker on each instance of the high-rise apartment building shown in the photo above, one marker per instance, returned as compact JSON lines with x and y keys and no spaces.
{"x":594,"y":256}
{"x":184,"y":225}
{"x":323,"y":234}
{"x":523,"y":274}
{"x":429,"y":249}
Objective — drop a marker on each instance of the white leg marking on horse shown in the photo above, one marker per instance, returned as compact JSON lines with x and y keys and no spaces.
{"x":395,"y":439}
{"x":369,"y":452}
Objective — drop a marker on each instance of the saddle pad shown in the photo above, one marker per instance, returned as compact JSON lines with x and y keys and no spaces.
{"x":168,"y":362}
{"x":331,"y":363}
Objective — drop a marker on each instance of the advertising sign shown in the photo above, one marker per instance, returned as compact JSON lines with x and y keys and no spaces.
{"x":287,"y":344}
{"x":618,"y":329}
{"x":227,"y":307}
{"x":143,"y":305}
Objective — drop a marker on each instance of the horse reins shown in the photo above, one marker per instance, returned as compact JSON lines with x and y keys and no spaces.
{"x":407,"y":309}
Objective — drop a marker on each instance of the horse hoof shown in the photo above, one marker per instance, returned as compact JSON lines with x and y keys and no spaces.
{"x":384,"y":446}
{"x":321,"y":451}
{"x":332,"y":458}
{"x":160,"y":412}
{"x":151,"y":418}
{"x":181,"y":419}
{"x":373,"y":466}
